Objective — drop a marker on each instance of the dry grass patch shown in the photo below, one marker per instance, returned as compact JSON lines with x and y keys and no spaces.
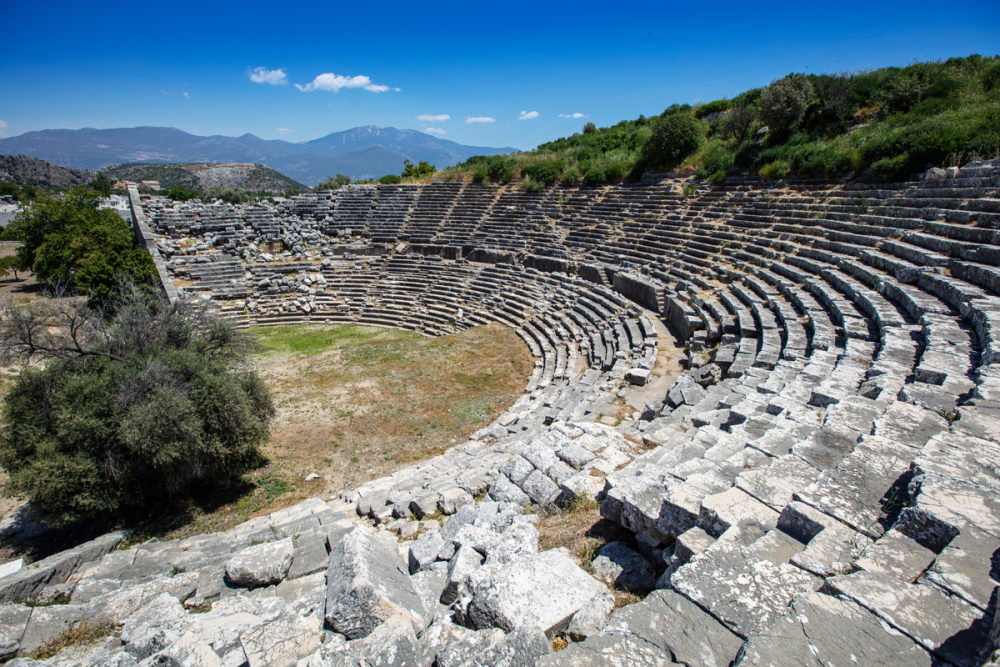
{"x":356,"y":403}
{"x":79,"y":634}
{"x":582,"y":530}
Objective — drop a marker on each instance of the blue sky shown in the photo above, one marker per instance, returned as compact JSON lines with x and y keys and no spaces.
{"x":189,"y":65}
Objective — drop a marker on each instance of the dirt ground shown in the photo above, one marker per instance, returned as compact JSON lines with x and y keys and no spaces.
{"x":357,"y":403}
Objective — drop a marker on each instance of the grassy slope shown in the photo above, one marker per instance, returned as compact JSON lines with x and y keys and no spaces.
{"x":894,"y":122}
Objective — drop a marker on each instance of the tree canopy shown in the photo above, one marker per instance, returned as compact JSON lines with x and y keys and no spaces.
{"x":128,"y":411}
{"x":68,"y":241}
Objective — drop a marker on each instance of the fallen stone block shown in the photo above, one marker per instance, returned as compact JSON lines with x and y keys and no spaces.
{"x":261,"y":564}
{"x":367,"y":584}
{"x":545,"y":591}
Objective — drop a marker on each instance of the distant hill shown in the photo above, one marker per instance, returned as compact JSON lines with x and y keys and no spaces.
{"x":24,"y":170}
{"x":202,"y":176}
{"x":361,"y":152}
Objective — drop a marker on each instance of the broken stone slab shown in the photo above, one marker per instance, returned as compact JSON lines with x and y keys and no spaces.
{"x":942,"y":624}
{"x":734,"y":507}
{"x":682,"y":630}
{"x":367,"y":584}
{"x":591,"y":617}
{"x":260,"y":565}
{"x":545,"y":590}
{"x":896,"y":554}
{"x":13,"y":621}
{"x":542,"y":490}
{"x":462,"y":566}
{"x":826,"y":630}
{"x":739,"y":586}
{"x":967,"y":566}
{"x":617,"y":565}
{"x":424,"y":550}
{"x":830,"y":546}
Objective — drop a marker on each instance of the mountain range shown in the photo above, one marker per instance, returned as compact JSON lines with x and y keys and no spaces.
{"x":361,"y":152}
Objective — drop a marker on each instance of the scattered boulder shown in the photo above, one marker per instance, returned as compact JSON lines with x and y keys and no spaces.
{"x":367,"y":584}
{"x":260,"y":565}
{"x":545,"y":590}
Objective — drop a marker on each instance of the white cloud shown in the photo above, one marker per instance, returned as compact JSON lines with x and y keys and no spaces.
{"x":480,"y":119}
{"x":3,"y":126}
{"x":528,"y":115}
{"x":283,"y":130}
{"x":334,"y":82}
{"x":435,"y":130}
{"x":274,"y":77}
{"x":186,"y":94}
{"x":433,"y":117}
{"x":576,"y":114}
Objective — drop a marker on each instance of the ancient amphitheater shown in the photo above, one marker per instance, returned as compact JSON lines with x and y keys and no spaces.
{"x":820,"y":485}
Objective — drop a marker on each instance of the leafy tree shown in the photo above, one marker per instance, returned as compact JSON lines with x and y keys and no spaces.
{"x":675,"y":137}
{"x":182,"y":193}
{"x":334,"y":183}
{"x":783,"y":104}
{"x":68,"y":241}
{"x":130,"y":411}
{"x":416,"y":171}
{"x":9,"y":264}
{"x":589,"y":128}
{"x":390,"y":179}
{"x":102,"y":184}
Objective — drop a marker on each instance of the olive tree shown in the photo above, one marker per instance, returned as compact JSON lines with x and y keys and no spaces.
{"x":139,"y":403}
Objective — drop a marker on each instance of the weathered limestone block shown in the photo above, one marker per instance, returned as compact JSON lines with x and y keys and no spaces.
{"x":733,"y":507}
{"x":926,"y":614}
{"x":739,"y":586}
{"x":545,"y":590}
{"x":424,"y":551}
{"x":13,"y":621}
{"x":823,"y":629}
{"x":967,"y":566}
{"x":618,"y":565}
{"x":260,"y":565}
{"x":677,"y":627}
{"x":367,"y":584}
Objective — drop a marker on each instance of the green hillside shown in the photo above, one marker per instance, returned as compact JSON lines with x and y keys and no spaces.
{"x":889,"y":123}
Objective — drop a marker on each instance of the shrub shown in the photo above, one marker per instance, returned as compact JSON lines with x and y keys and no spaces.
{"x":500,"y":168}
{"x":783,"y":104}
{"x":675,"y":137}
{"x":416,"y":171}
{"x":69,"y":242}
{"x":531,"y":185}
{"x":774,"y":170}
{"x":589,"y":128}
{"x":991,"y":77}
{"x":129,"y":411}
{"x":595,"y":176}
{"x":481,"y":175}
{"x":570,"y":176}
{"x":719,"y":159}
{"x":181,"y":193}
{"x":390,"y":179}
{"x":335,"y":183}
{"x":714,"y":107}
{"x":545,"y":172}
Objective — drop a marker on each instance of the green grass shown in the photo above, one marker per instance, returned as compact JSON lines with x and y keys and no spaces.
{"x":300,"y":340}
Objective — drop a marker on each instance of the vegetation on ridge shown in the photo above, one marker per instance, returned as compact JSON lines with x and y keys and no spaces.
{"x":892,"y":122}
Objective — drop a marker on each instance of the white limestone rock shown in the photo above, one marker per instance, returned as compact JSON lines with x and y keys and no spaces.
{"x":261,"y":564}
